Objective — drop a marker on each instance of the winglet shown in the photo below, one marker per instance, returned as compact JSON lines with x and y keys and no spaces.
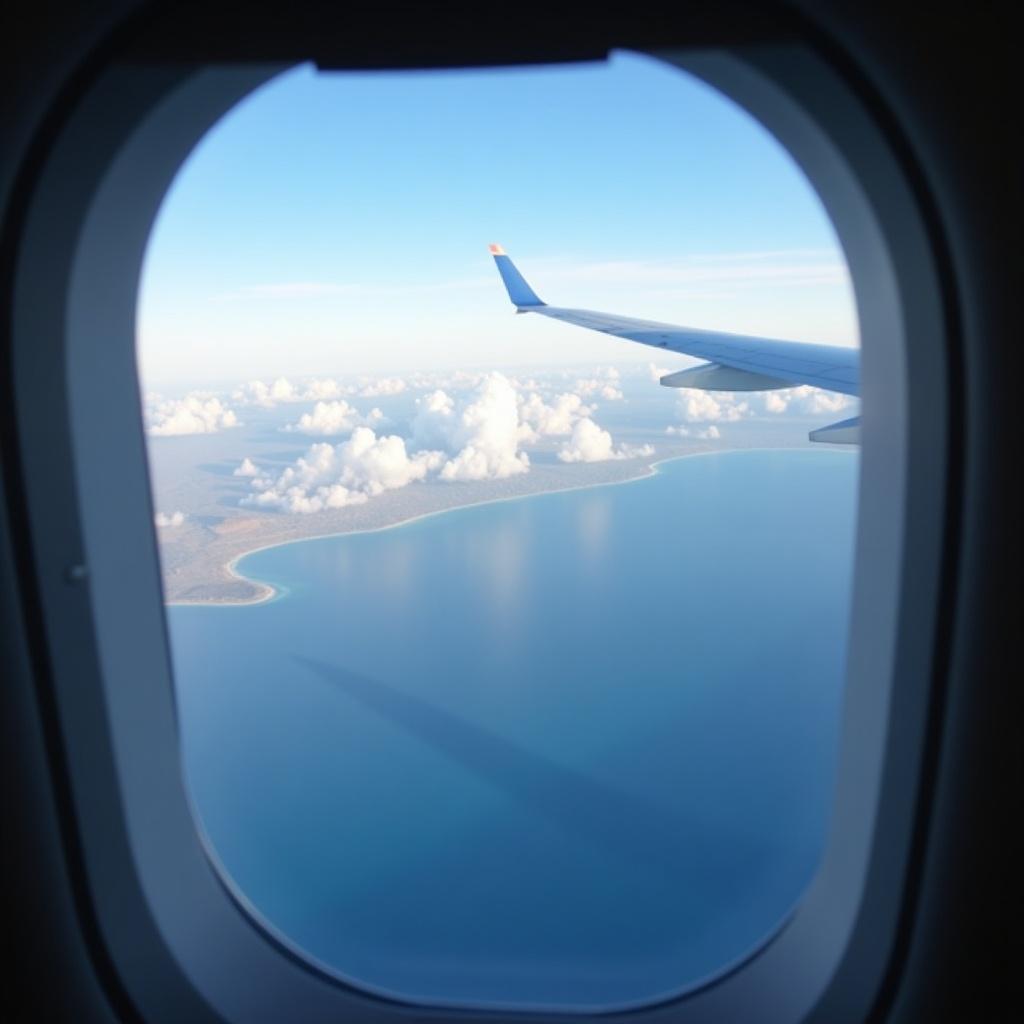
{"x":521,"y":294}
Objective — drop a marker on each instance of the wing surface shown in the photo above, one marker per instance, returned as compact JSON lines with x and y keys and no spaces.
{"x":735,"y":362}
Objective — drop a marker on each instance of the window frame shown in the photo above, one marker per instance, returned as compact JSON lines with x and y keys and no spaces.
{"x":181,"y":941}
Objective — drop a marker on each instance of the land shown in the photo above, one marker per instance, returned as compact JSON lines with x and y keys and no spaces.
{"x":195,"y":475}
{"x":199,"y":558}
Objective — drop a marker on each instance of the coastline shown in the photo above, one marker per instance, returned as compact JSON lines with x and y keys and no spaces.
{"x":271,"y":593}
{"x":267,"y":592}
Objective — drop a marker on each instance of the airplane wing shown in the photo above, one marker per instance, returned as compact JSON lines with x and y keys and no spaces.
{"x":735,"y":362}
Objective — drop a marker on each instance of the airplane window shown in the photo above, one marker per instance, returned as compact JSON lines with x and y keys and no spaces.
{"x":508,"y":650}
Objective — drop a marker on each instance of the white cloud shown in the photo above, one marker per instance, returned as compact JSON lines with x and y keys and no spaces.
{"x":163,"y":520}
{"x":706,"y":434}
{"x":432,"y":424}
{"x":382,"y":386}
{"x":697,"y":406}
{"x":376,"y":464}
{"x":604,"y":383}
{"x":657,"y":372}
{"x":602,"y":389}
{"x":197,"y":413}
{"x":485,"y":433}
{"x":334,"y":476}
{"x":321,"y":389}
{"x":473,"y":436}
{"x":482,"y":432}
{"x":283,"y":390}
{"x":257,"y":392}
{"x":589,"y":443}
{"x":457,"y":380}
{"x":805,"y":399}
{"x":330,"y":418}
{"x":527,"y":384}
{"x":253,"y":392}
{"x":540,"y":419}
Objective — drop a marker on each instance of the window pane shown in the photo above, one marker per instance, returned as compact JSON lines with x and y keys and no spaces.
{"x":569,"y":750}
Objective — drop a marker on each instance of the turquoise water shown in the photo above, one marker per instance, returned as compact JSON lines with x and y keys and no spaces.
{"x":573,"y":750}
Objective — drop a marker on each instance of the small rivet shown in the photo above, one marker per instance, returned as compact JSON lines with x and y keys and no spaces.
{"x":76,"y":573}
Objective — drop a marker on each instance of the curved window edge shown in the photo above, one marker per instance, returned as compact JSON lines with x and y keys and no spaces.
{"x":181,"y":945}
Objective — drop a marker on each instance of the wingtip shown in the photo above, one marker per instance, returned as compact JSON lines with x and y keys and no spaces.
{"x":519,"y":292}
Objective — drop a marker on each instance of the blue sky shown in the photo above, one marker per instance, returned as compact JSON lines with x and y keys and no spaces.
{"x":338,"y":223}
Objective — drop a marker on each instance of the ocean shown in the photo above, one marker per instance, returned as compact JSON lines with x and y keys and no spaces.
{"x":575,"y":750}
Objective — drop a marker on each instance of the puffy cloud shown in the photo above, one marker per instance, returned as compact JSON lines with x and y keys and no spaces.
{"x":805,"y":399}
{"x":283,"y":390}
{"x":475,"y":435}
{"x":376,"y":464}
{"x":421,"y":381}
{"x":457,"y":380}
{"x":256,"y":392}
{"x":197,"y":413}
{"x":706,"y":434}
{"x":555,"y":420}
{"x":657,"y":372}
{"x":527,"y":384}
{"x":334,"y":476}
{"x":486,"y":434}
{"x":463,"y":380}
{"x":481,"y":433}
{"x":163,"y":520}
{"x":604,"y":384}
{"x":330,"y":418}
{"x":432,"y":424}
{"x":697,"y":406}
{"x":321,"y":389}
{"x":589,"y":443}
{"x":253,"y":392}
{"x":382,"y":386}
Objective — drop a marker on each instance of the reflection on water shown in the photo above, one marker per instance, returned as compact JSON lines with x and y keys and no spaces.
{"x":498,"y":557}
{"x":574,"y":750}
{"x":593,"y":521}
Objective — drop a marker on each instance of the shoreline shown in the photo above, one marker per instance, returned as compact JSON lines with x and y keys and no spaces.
{"x":271,"y":593}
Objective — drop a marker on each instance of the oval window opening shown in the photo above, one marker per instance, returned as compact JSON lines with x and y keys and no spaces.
{"x":463,"y":723}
